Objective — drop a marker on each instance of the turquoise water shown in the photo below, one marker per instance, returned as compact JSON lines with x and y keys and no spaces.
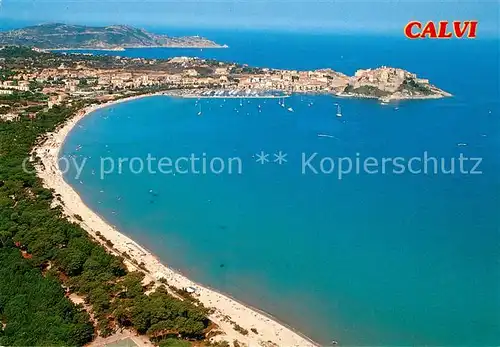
{"x":380,"y":259}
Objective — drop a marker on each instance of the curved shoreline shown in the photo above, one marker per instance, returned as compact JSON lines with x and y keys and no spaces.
{"x":268,"y":327}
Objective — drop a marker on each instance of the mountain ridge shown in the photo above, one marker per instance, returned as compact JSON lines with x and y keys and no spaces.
{"x":70,"y":36}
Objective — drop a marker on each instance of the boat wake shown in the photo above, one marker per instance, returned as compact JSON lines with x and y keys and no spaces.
{"x":328,"y":136}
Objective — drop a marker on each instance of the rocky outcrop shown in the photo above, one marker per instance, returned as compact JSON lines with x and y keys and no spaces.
{"x":388,"y":83}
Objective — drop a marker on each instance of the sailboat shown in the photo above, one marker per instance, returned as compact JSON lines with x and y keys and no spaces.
{"x":241,"y":102}
{"x":339,"y":112}
{"x":283,"y":103}
{"x":199,"y":112}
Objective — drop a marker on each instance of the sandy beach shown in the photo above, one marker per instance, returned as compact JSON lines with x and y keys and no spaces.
{"x":269,"y":330}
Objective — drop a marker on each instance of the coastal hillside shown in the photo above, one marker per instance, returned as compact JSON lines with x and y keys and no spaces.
{"x":57,"y":36}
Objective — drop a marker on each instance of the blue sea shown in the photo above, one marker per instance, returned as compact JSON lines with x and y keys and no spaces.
{"x":384,"y":258}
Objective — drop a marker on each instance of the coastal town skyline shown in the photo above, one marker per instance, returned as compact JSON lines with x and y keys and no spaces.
{"x":358,"y":16}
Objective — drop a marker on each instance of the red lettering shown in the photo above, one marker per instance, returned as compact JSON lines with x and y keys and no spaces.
{"x":409,"y":29}
{"x":472,"y":29}
{"x":458,"y":29}
{"x":429,"y":30}
{"x":459,"y":32}
{"x":443,"y":25}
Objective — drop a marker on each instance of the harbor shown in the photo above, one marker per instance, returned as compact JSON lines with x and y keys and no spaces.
{"x":234,"y":94}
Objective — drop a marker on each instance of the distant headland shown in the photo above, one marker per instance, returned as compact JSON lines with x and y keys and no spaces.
{"x":115,"y":37}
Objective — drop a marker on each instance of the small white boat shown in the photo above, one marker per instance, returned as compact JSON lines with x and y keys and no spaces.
{"x":339,"y":112}
{"x":325,"y":135}
{"x":290,"y":109}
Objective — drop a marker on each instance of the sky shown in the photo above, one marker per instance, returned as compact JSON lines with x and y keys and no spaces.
{"x":321,"y":15}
